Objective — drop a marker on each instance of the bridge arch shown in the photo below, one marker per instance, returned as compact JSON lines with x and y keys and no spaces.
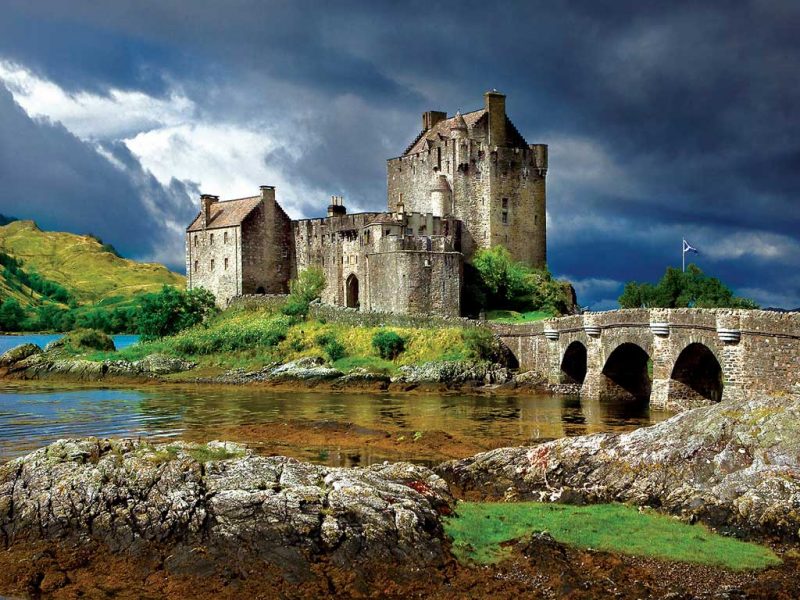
{"x":574,"y":363}
{"x":696,"y":377}
{"x":626,"y":374}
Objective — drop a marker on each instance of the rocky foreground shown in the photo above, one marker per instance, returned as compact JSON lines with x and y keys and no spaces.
{"x":734,"y":465}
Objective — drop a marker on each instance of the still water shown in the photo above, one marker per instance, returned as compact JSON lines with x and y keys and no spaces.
{"x":33,"y":414}
{"x":42,"y":339}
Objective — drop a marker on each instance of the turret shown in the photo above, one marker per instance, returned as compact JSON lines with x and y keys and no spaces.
{"x":458,"y":130}
{"x":495,"y":104}
{"x":441,"y":197}
{"x":336,"y":208}
{"x":539,"y":152}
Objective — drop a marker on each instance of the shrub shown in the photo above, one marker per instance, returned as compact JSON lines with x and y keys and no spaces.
{"x":480,"y":343}
{"x":302,"y":291}
{"x":389,"y":344}
{"x":332,"y":347}
{"x":172,"y":310}
{"x":82,"y":340}
{"x":12,"y":315}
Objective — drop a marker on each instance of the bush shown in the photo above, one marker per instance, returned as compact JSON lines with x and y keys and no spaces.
{"x":302,"y":291}
{"x":332,"y":347}
{"x":388,"y":344}
{"x":11,"y":315}
{"x":172,"y":310}
{"x":83,"y":340}
{"x":480,"y":343}
{"x":234,"y":337}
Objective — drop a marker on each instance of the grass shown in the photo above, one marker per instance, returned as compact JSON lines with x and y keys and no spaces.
{"x":250,"y":338}
{"x":480,"y":528}
{"x":79,"y":263}
{"x":510,"y":316}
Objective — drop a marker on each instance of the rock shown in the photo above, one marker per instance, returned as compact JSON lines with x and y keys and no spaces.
{"x":247,"y":509}
{"x":82,"y":340}
{"x":735,"y":464}
{"x":309,"y":368}
{"x":18,"y":353}
{"x":453,"y":372}
{"x":159,"y":364}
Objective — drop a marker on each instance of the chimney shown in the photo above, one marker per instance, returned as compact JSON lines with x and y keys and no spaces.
{"x":268,"y":192}
{"x":495,"y":104}
{"x":431,"y":118}
{"x":206,"y":200}
{"x":336,"y":207}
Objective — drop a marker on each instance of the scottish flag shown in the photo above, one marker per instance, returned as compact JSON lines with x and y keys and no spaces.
{"x":687,"y":247}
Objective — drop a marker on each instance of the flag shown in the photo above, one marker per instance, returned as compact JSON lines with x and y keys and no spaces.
{"x":687,"y":247}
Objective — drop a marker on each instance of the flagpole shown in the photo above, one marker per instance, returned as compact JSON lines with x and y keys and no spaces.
{"x":683,"y":256}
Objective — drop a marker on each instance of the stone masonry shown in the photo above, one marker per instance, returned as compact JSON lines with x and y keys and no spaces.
{"x":465,"y":183}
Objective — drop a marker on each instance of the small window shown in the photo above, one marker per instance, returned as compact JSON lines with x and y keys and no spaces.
{"x":196,"y":263}
{"x":505,"y":218}
{"x":212,"y":264}
{"x":285,"y":252}
{"x":356,"y":259}
{"x":505,"y":203}
{"x":225,"y":238}
{"x":195,"y":241}
{"x":226,"y":264}
{"x":409,"y":231}
{"x":211,"y":239}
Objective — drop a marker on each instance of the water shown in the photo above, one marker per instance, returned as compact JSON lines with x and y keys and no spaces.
{"x":42,"y":339}
{"x":34,"y":414}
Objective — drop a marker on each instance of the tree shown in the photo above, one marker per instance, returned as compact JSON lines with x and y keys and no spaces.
{"x":12,"y":316}
{"x":679,"y":289}
{"x":172,"y":310}
{"x":302,"y":291}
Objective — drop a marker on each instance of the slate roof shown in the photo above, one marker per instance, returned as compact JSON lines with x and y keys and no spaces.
{"x":226,"y":213}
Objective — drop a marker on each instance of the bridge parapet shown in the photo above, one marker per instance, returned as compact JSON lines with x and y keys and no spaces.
{"x":749,"y":351}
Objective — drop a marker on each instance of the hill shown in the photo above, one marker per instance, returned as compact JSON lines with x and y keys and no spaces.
{"x":85,"y":268}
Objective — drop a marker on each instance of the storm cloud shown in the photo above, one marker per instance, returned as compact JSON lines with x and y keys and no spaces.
{"x":665,"y":120}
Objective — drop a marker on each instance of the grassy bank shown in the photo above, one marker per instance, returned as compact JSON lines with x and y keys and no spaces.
{"x":249,"y":338}
{"x":480,"y":529}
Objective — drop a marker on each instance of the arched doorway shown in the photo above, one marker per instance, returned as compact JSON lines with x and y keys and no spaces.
{"x":627,"y":374}
{"x":696,"y":377}
{"x":351,"y":292}
{"x":573,"y":365}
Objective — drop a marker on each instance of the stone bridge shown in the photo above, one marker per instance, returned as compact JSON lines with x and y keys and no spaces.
{"x":673,"y":358}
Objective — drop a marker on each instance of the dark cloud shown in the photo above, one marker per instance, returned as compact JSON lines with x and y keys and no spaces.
{"x":63,"y":183}
{"x":680,"y":117}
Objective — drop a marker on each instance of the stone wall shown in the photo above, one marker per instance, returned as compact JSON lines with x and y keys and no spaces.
{"x":214,"y":262}
{"x":267,"y":247}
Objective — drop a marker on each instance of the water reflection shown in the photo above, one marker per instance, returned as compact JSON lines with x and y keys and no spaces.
{"x":32,"y":415}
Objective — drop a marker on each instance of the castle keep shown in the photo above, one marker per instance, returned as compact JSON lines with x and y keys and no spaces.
{"x":466,"y":182}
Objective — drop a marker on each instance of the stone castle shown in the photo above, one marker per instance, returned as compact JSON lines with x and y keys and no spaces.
{"x":466,"y":182}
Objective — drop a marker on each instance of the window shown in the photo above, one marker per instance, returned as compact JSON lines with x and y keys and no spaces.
{"x":226,"y":264}
{"x":196,"y":264}
{"x":195,"y":240}
{"x":212,"y":264}
{"x":505,"y":203}
{"x":505,"y":218}
{"x":356,"y":259}
{"x":409,"y":231}
{"x":211,"y":239}
{"x":285,"y":252}
{"x":225,"y":238}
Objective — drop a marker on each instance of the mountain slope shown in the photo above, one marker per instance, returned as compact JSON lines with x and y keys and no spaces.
{"x":80,"y":264}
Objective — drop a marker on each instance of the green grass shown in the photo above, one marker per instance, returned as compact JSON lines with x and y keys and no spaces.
{"x":479,"y":529}
{"x":510,"y":316}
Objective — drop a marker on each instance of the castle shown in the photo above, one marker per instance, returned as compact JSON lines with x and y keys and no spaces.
{"x":466,"y":182}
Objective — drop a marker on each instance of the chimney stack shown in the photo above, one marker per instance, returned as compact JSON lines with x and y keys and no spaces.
{"x":431,"y":118}
{"x":206,"y":201}
{"x":336,"y":207}
{"x":268,"y":192}
{"x":495,"y":104}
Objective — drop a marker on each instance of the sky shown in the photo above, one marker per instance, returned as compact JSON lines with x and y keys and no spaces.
{"x":665,"y":120}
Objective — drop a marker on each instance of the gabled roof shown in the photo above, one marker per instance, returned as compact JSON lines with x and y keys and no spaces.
{"x":442,"y":128}
{"x":226,"y":213}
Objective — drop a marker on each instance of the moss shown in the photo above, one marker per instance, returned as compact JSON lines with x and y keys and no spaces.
{"x":479,"y":529}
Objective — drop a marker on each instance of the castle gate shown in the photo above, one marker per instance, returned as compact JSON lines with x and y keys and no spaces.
{"x":673,"y":358}
{"x":351,"y":291}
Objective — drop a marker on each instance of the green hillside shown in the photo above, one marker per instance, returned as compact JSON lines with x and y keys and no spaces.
{"x":79,"y":263}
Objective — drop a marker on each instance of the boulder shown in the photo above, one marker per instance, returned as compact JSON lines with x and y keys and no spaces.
{"x":735,"y":464}
{"x":309,"y":368}
{"x":18,"y":353}
{"x":241,"y":509}
{"x":453,"y":372}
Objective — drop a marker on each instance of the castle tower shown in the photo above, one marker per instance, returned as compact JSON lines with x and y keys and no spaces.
{"x":441,"y":197}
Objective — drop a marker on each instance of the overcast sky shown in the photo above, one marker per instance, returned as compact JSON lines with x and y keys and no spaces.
{"x":664,"y":119}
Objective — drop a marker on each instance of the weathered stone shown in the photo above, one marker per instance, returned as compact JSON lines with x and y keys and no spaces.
{"x":289,"y":514}
{"x":734,"y":464}
{"x":18,"y":353}
{"x":453,"y":373}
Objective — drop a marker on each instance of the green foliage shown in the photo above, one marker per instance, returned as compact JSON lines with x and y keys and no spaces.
{"x":172,"y":310}
{"x":372,"y":364}
{"x":19,"y":278}
{"x":11,"y":315}
{"x":480,"y":343}
{"x":333,"y":348}
{"x":678,"y":289}
{"x":302,"y":291}
{"x":234,"y":337}
{"x":495,"y":281}
{"x":388,"y":344}
{"x":479,"y":529}
{"x":106,"y":247}
{"x":511,"y":316}
{"x":83,"y":340}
